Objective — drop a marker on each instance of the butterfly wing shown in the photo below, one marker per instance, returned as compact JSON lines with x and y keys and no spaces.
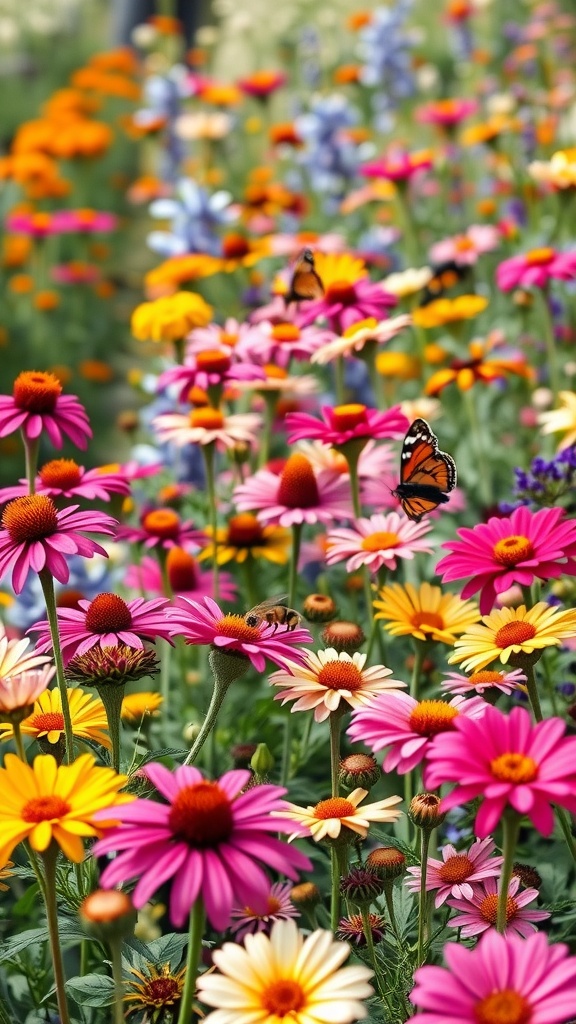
{"x":426,"y":473}
{"x":305,"y":283}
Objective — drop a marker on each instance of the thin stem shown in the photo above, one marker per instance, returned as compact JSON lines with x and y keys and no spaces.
{"x":49,"y":858}
{"x":18,"y":742}
{"x":566,"y":829}
{"x":339,"y":866}
{"x":31,"y":456}
{"x":218,"y":694}
{"x":371,"y":950}
{"x":352,"y":454}
{"x":532,"y":688}
{"x":194,"y":948}
{"x":368,"y":355}
{"x":335,"y":730}
{"x":286,"y":751}
{"x":339,"y":387}
{"x":208,"y":452}
{"x":116,"y":958}
{"x":226,"y":668}
{"x":165,"y":650}
{"x":112,"y":696}
{"x":482,"y":458}
{"x":550,"y":343}
{"x":511,"y":828}
{"x":423,"y":902}
{"x":270,"y":403}
{"x":419,"y":655}
{"x":47,"y":584}
{"x":293,"y":575}
{"x":389,"y":897}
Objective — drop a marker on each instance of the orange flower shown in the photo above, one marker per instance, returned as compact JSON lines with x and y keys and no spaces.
{"x":46,"y":300}
{"x":448,"y":311}
{"x":82,"y":138}
{"x":220,"y":94}
{"x":284,"y":134}
{"x":479,"y":367}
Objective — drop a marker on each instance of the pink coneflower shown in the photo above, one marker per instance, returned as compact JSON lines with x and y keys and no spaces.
{"x":466,"y":248}
{"x":262,"y":84}
{"x":408,"y":726}
{"x":162,"y":527}
{"x":516,"y":549}
{"x":507,"y":761}
{"x":216,"y":337}
{"x":346,"y":302}
{"x":327,"y":677}
{"x":398,"y":165}
{"x":298,"y":495}
{"x":458,"y":874}
{"x":106,"y":621}
{"x":37,"y":536}
{"x":205,"y":426}
{"x":85,"y":220}
{"x":478,"y":912}
{"x":212,"y":368}
{"x":20,"y":690}
{"x":279,"y":907}
{"x":380,"y":540}
{"x":535,"y":269}
{"x":484,"y":681}
{"x":64,"y":478}
{"x":206,"y":623}
{"x":185,"y":577}
{"x":345,"y":423}
{"x":504,"y":978}
{"x":210,"y":838}
{"x":37,"y":404}
{"x":446,"y":113}
{"x":37,"y":224}
{"x":280,"y":342}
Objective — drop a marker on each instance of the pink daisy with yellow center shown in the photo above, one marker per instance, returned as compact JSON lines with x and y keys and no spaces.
{"x":64,"y":478}
{"x":478,"y":912}
{"x":206,"y":426}
{"x":297,"y":495}
{"x":345,"y":423}
{"x":459,"y":873}
{"x":37,"y":404}
{"x":212,"y":368}
{"x":536,"y":268}
{"x":378,"y":541}
{"x":163,"y":527}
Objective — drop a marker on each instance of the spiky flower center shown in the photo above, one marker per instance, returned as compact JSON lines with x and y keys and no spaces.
{"x":504,"y":1007}
{"x":517,"y":768}
{"x":283,"y":997}
{"x":384,"y":857}
{"x":29,"y":518}
{"x":201,"y":815}
{"x":427,"y":621}
{"x":36,"y":391}
{"x":234,"y":627}
{"x":513,"y":549}
{"x":49,"y":721}
{"x":358,"y":763}
{"x":380,"y":541}
{"x":163,"y":523}
{"x":342,"y":292}
{"x":44,"y":808}
{"x":285,"y":332}
{"x":489,"y":908}
{"x":456,"y":869}
{"x":486,"y":678}
{"x":207,"y":418}
{"x":431,"y":717}
{"x":61,"y":473}
{"x":340,"y":675}
{"x":108,"y":613}
{"x":346,"y":417}
{"x":514,"y":633}
{"x":335,"y":807}
{"x":540,"y":257}
{"x":213,"y":360}
{"x":244,"y":530}
{"x":298,"y":487}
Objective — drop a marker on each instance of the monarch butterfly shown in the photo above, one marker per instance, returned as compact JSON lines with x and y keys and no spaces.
{"x":305,"y":283}
{"x":426,"y":473}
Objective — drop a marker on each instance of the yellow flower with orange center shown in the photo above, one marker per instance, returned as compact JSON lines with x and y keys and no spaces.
{"x":425,"y":613}
{"x":509,"y":632}
{"x":170,"y":318}
{"x":46,"y":722}
{"x":338,"y":271}
{"x":449,"y":311}
{"x":240,"y":251}
{"x":327,"y":818}
{"x":245,"y":537}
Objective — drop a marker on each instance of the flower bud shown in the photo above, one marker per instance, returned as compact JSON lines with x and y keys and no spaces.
{"x":306,"y":895}
{"x":241,"y":754}
{"x":386,"y":862}
{"x":425,"y":811}
{"x":107,"y":914}
{"x":262,"y":761}
{"x":343,"y":636}
{"x":319,"y":608}
{"x":359,"y":771}
{"x":361,"y":887}
{"x":528,"y":875}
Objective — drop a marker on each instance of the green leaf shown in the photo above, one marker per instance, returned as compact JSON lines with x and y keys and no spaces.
{"x":70,"y":933}
{"x":91,"y":990}
{"x":168,"y":948}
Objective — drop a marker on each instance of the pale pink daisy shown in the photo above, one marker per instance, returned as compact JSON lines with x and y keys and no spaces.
{"x":375,"y":458}
{"x":408,"y":726}
{"x":37,"y":536}
{"x":206,"y":623}
{"x":14,"y":657}
{"x":327,"y":677}
{"x":281,"y":342}
{"x":212,"y":368}
{"x":279,"y":907}
{"x":210,"y":839}
{"x":378,"y":541}
{"x":504,"y":978}
{"x":478,"y":913}
{"x":64,"y":478}
{"x":206,"y":426}
{"x":508,"y":762}
{"x":297,"y":495}
{"x":343,"y":423}
{"x":37,"y":404}
{"x":536,"y":268}
{"x":21,"y":690}
{"x":458,"y":874}
{"x":465,"y":249}
{"x":214,"y":336}
{"x":356,"y":337}
{"x":484,"y":681}
{"x":185,"y":577}
{"x":107,"y":621}
{"x":162,"y":527}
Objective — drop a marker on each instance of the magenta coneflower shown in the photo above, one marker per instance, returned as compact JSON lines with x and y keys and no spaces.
{"x":484,"y":681}
{"x":345,"y":423}
{"x":507,"y":761}
{"x":185,"y":576}
{"x":64,"y":478}
{"x":37,"y":536}
{"x":380,"y":540}
{"x":84,"y":220}
{"x":162,"y":527}
{"x":37,"y":404}
{"x":478,"y":912}
{"x":298,"y":495}
{"x":466,"y":248}
{"x":208,"y":369}
{"x":207,"y":624}
{"x":408,"y":726}
{"x":458,"y":874}
{"x":346,"y":302}
{"x":398,"y":165}
{"x":518,"y":548}
{"x":536,"y":268}
{"x":210,"y":838}
{"x":107,"y":621}
{"x":279,"y":907}
{"x":206,"y":425}
{"x":504,"y":978}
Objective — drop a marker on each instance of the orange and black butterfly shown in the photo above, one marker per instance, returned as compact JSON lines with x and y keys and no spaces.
{"x":305,"y":283}
{"x":446,"y":276}
{"x":426,"y":474}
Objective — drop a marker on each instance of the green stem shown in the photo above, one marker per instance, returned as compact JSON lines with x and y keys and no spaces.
{"x":47,"y":584}
{"x":249,"y":575}
{"x":532,"y":688}
{"x":194,"y":949}
{"x":116,"y":958}
{"x":423,"y":902}
{"x":293,"y":575}
{"x":226,"y":669}
{"x":388,"y":896}
{"x":511,"y":828}
{"x":565,"y":826}
{"x":335,"y":730}
{"x":339,"y":866}
{"x":31,"y":455}
{"x":49,"y":858}
{"x":550,"y":343}
{"x":112,"y":696}
{"x":369,"y":354}
{"x":18,"y":742}
{"x":208,"y":452}
{"x":165,"y":651}
{"x":339,"y":387}
{"x":270,"y":403}
{"x":419,"y":655}
{"x":371,"y":950}
{"x":286,"y":751}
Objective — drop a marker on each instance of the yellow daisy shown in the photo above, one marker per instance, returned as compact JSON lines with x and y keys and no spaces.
{"x":285,"y":977}
{"x":44,"y":802}
{"x":155,"y":990}
{"x":424,"y":613}
{"x":328,"y":817}
{"x":244,"y":536}
{"x":171,"y":317}
{"x":562,"y":420}
{"x":339,"y":267}
{"x":137,"y":706}
{"x":508,"y":631}
{"x":46,"y":722}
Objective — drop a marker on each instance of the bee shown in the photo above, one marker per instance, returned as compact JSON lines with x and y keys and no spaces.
{"x":274,"y":612}
{"x":305,"y":283}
